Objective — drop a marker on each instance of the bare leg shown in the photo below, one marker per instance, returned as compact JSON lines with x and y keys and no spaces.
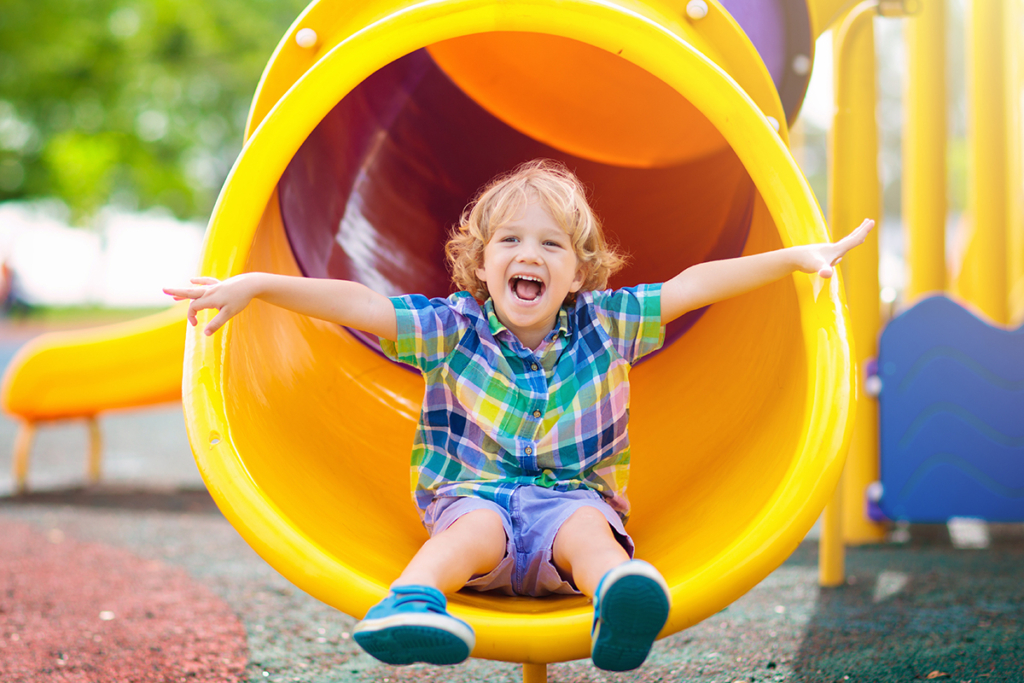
{"x":585,"y":547}
{"x":473,"y":545}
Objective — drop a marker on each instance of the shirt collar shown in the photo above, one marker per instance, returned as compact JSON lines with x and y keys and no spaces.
{"x":561,"y":327}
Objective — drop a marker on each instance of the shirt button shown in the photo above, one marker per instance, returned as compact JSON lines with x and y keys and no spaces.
{"x":533,"y":366}
{"x":529,"y":451}
{"x":536,"y":413}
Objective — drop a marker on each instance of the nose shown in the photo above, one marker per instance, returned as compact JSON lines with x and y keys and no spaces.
{"x":528,"y":252}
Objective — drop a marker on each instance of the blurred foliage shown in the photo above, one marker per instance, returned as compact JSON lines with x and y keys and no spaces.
{"x":135,"y":103}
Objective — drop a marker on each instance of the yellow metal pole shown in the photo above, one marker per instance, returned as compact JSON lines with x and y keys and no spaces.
{"x":855,"y":194}
{"x":535,"y":673}
{"x":22,"y":449}
{"x":831,"y":550}
{"x":94,"y":469}
{"x":924,"y":150}
{"x":1015,"y":146}
{"x":983,"y":277}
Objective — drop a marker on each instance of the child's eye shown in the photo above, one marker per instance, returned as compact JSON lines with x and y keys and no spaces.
{"x":510,"y":238}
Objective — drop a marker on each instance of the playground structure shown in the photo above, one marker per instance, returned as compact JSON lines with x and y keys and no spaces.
{"x":372,"y":126}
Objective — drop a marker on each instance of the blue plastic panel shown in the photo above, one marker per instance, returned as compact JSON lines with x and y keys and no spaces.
{"x":952,"y":416}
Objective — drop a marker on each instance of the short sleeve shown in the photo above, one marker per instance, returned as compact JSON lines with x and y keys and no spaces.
{"x":632,"y":318}
{"x":428,"y":331}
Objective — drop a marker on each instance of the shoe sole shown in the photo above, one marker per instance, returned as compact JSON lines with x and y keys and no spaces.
{"x":407,"y":639}
{"x":634,"y":608}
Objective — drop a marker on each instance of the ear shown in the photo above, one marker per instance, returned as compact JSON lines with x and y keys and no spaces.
{"x":581,"y":277}
{"x":481,"y":275}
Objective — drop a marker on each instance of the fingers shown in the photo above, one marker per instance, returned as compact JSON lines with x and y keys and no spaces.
{"x":859,"y":234}
{"x":854,"y":239}
{"x":204,"y":297}
{"x":223,"y":315}
{"x":192,"y":311}
{"x":182,"y":294}
{"x":216,"y":322}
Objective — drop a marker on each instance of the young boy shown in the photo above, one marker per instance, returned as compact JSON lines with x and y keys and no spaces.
{"x":522,"y":452}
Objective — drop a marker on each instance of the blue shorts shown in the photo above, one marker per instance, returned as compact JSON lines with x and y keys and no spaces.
{"x":534,"y":516}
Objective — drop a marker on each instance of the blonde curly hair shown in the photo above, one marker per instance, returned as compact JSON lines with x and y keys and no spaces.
{"x":564,"y":197}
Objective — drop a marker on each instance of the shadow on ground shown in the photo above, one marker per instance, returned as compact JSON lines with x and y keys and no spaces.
{"x":921,"y":610}
{"x":120,"y":498}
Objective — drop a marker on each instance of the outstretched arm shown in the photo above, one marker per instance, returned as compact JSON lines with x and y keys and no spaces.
{"x":706,"y":283}
{"x":339,"y":301}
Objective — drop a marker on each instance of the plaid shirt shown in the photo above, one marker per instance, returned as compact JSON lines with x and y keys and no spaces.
{"x":497,"y":415}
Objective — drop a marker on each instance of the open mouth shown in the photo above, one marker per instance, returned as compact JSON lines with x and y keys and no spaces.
{"x":526,"y":287}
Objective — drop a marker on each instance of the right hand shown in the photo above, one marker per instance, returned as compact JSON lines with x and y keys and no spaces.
{"x":228,"y":297}
{"x":823,"y":258}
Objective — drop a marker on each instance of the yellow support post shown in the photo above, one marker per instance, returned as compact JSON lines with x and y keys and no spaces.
{"x":535,"y":673}
{"x":924,"y":150}
{"x":94,"y":468}
{"x":831,"y":550}
{"x":1015,"y":145}
{"x":855,"y":194}
{"x":22,"y":450}
{"x":983,"y":276}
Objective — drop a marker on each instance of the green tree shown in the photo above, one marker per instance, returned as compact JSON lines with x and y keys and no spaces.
{"x":139,"y":103}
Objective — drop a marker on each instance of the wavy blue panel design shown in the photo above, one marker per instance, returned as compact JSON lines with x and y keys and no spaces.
{"x":951,"y":416}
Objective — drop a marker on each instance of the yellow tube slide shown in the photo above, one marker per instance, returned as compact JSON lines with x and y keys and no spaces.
{"x":364,"y":146}
{"x":84,"y":372}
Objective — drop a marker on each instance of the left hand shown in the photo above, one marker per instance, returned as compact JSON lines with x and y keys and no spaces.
{"x":822,"y":258}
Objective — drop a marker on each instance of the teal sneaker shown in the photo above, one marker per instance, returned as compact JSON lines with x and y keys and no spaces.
{"x":412,"y":625}
{"x":630,"y":609}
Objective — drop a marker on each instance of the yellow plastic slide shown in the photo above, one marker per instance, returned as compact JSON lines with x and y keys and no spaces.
{"x":84,"y":372}
{"x":373,"y":125}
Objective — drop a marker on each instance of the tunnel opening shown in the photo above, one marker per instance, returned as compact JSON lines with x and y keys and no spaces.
{"x":322,"y":425}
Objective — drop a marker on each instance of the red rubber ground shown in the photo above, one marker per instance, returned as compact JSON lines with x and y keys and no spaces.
{"x":74,"y":611}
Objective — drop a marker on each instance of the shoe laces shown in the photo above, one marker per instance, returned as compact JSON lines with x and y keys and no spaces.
{"x":433,"y":599}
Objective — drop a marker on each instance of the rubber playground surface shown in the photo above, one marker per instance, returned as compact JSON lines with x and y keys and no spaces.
{"x":142,"y":579}
{"x":129,"y":585}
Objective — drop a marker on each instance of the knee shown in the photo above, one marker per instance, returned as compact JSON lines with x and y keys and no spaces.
{"x":589,"y":519}
{"x":483,"y":522}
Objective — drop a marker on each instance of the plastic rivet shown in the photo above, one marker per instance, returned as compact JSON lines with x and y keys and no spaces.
{"x":775,"y":123}
{"x":306,"y":37}
{"x":696,"y":9}
{"x":874,"y":491}
{"x":801,"y":65}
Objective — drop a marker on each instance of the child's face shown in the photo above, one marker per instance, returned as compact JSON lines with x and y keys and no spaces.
{"x":529,"y":267}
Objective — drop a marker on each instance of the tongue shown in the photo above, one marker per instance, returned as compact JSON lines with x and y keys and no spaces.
{"x":527,"y":289}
